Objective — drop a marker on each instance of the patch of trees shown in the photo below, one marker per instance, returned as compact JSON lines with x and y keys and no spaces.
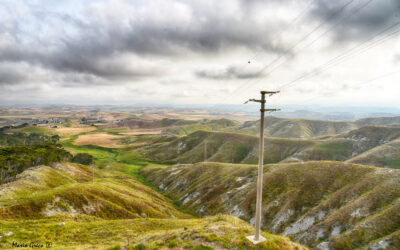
{"x":13,"y":127}
{"x":25,"y":139}
{"x":14,"y":160}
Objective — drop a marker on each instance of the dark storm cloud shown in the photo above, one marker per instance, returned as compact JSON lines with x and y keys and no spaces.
{"x":357,"y":25}
{"x":229,"y":73}
{"x":75,"y":59}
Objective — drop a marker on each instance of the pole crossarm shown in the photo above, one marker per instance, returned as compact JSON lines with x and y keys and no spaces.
{"x":257,"y":238}
{"x":269,"y":110}
{"x":270,"y":93}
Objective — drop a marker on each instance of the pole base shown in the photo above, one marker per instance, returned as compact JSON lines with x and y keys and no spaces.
{"x":254,"y":241}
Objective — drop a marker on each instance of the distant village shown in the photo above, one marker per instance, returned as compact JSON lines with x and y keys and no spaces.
{"x":32,"y":121}
{"x":52,"y":122}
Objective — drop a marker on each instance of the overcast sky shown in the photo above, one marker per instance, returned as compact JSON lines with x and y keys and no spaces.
{"x":343,"y":52}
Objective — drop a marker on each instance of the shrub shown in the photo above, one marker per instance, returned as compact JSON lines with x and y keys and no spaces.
{"x":172,"y":244}
{"x":203,"y":247}
{"x":139,"y":246}
{"x":117,"y":247}
{"x":83,"y":158}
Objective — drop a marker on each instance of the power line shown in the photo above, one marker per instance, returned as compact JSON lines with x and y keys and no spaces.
{"x":340,"y":21}
{"x":347,"y":54}
{"x":333,"y":15}
{"x":364,"y":83}
{"x":355,"y":11}
{"x":328,"y":30}
{"x":300,"y":16}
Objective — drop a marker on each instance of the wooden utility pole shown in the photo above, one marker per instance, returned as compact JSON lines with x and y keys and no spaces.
{"x":257,"y":238}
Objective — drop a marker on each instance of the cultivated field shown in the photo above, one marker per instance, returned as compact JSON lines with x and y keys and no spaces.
{"x":98,"y":139}
{"x":74,"y":130}
{"x":143,"y":132}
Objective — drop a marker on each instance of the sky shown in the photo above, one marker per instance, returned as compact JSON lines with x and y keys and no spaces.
{"x":186,"y":52}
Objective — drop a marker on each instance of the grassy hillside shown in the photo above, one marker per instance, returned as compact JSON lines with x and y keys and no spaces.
{"x":387,"y":155}
{"x":367,"y":145}
{"x":320,"y":204}
{"x":375,"y":135}
{"x":356,"y":145}
{"x":303,"y":128}
{"x":68,"y":189}
{"x":222,"y":147}
{"x":62,"y":206}
{"x":378,"y":121}
{"x":135,"y":123}
{"x":217,"y":232}
{"x":296,"y":128}
{"x":205,"y":125}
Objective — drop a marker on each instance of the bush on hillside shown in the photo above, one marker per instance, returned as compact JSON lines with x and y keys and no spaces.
{"x":83,"y":158}
{"x":14,"y":160}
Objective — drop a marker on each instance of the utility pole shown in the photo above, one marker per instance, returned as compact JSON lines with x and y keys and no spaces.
{"x":257,"y":238}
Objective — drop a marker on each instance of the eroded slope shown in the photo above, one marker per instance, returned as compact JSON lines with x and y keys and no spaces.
{"x":320,"y":204}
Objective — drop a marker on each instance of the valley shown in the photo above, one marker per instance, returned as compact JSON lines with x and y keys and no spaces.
{"x":165,"y":182}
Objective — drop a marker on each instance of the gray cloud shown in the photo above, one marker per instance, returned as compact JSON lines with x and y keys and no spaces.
{"x":8,"y":76}
{"x":94,"y":40}
{"x":114,"y":45}
{"x":231,"y":72}
{"x":364,"y":23}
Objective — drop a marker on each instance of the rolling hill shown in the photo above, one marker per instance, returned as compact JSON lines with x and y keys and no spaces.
{"x":68,"y":189}
{"x":205,"y":125}
{"x":378,"y":121}
{"x":307,"y":129}
{"x":296,"y":128}
{"x":358,"y":146}
{"x":241,"y":148}
{"x":222,"y":147}
{"x":386,"y":155}
{"x":324,"y":205}
{"x":61,"y":206}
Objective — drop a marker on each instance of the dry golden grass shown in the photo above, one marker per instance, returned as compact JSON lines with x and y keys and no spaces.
{"x":74,"y":130}
{"x":143,"y":132}
{"x":98,"y":139}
